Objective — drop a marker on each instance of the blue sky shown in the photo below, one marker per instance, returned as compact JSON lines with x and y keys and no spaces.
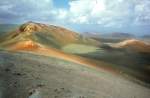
{"x":129,"y":16}
{"x":61,"y":3}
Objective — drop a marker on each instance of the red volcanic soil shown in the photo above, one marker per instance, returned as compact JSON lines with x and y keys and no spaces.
{"x":35,"y":48}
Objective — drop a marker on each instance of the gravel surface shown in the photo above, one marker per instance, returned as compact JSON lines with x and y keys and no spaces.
{"x":32,"y":76}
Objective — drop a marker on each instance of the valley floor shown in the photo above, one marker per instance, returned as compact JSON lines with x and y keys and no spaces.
{"x":24,"y":75}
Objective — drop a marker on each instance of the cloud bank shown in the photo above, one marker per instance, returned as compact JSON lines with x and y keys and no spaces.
{"x":109,"y":12}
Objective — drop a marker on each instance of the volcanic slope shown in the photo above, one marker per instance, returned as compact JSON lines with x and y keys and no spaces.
{"x":48,"y":35}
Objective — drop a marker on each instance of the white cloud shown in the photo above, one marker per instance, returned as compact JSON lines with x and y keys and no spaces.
{"x":142,"y":12}
{"x":80,"y":20}
{"x":62,"y":14}
{"x":97,"y":11}
{"x":108,"y":12}
{"x":98,"y":7}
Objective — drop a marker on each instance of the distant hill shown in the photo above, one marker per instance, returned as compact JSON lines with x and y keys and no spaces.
{"x":135,"y":45}
{"x":118,"y":35}
{"x":108,"y":35}
{"x":92,"y":34}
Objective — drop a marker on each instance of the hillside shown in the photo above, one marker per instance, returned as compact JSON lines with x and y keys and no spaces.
{"x":48,"y":35}
{"x":48,"y":40}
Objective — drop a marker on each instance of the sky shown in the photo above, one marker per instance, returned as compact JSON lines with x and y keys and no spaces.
{"x":101,"y":16}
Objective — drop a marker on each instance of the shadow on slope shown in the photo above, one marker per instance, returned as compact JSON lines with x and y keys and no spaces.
{"x":132,"y":63}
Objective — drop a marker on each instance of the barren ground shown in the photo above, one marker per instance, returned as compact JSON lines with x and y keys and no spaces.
{"x":25,"y":75}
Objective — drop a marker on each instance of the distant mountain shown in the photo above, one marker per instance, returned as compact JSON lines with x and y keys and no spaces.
{"x":118,"y":35}
{"x":109,"y":35}
{"x":135,"y":45}
{"x":146,"y":36}
{"x":92,"y":34}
